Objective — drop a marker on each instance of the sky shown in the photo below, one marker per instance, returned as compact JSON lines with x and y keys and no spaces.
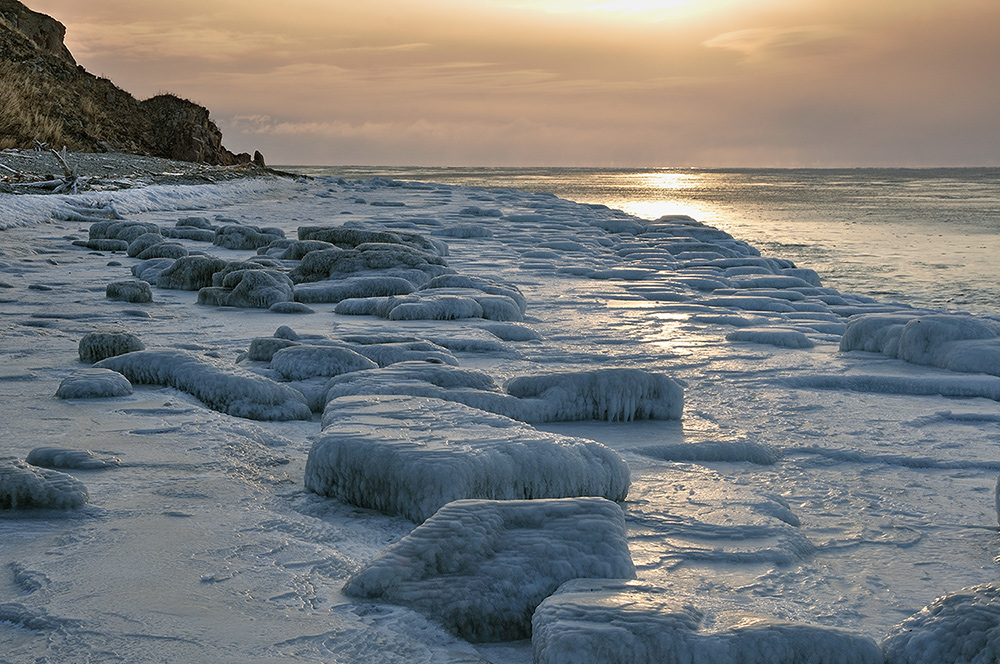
{"x":614,"y":83}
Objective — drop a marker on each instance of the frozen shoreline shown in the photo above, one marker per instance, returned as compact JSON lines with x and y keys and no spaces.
{"x":886,"y":524}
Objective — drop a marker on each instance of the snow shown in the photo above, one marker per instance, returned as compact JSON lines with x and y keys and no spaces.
{"x":412,"y":455}
{"x":481,"y":567}
{"x":219,"y":386}
{"x":963,"y":626}
{"x":27,"y":487}
{"x":632,"y":622}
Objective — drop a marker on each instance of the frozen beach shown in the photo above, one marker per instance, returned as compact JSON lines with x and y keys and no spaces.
{"x":340,"y":392}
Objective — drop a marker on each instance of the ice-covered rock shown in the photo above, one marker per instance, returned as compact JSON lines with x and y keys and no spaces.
{"x":245,"y":237}
{"x":290,"y":308}
{"x":382,"y":257}
{"x":632,"y":622}
{"x":959,"y":628}
{"x":412,"y":455}
{"x":94,"y":384}
{"x":350,"y":238}
{"x":249,"y":289}
{"x":129,"y":290}
{"x":617,"y":395}
{"x":308,"y":361}
{"x":126,"y":231}
{"x":96,"y":346}
{"x":216,"y":384}
{"x":481,"y":567}
{"x":486,"y":285}
{"x":335,"y":290}
{"x":957,"y":342}
{"x":149,"y":271}
{"x":782,"y":337}
{"x":189,"y":273}
{"x":143,"y":242}
{"x":61,"y":457}
{"x":26,"y":487}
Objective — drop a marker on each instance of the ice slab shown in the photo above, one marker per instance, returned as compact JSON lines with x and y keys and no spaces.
{"x":632,"y":622}
{"x":411,"y":455}
{"x":481,"y":567}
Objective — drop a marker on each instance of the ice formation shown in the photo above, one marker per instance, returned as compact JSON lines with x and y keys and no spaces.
{"x":959,"y":628}
{"x":246,"y":237}
{"x":412,"y":455}
{"x":130,"y":290}
{"x":633,"y":622}
{"x":336,"y":290}
{"x":61,"y":457}
{"x":188,"y":273}
{"x":249,"y":288}
{"x":94,"y":383}
{"x":216,"y":384}
{"x":772,"y":336}
{"x":26,"y":487}
{"x":948,"y":341}
{"x":481,"y":567}
{"x":96,"y":346}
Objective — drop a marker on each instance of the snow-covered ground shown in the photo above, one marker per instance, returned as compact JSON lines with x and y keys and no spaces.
{"x":407,"y":345}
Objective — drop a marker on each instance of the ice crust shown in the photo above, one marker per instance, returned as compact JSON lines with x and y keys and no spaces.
{"x":633,"y":622}
{"x":481,"y":567}
{"x":958,"y":628}
{"x":219,"y":386}
{"x":412,"y":455}
{"x":26,"y":487}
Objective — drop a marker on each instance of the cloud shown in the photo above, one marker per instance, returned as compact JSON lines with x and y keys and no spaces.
{"x":765,"y":44}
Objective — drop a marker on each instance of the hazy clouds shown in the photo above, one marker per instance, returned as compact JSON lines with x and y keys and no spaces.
{"x":605,"y":82}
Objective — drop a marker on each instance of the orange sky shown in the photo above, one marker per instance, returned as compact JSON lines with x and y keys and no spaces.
{"x":566,"y":82}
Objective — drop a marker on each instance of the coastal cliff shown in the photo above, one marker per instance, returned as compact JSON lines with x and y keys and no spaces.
{"x":46,"y":97}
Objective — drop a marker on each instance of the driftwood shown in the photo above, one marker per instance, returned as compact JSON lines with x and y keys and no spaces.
{"x":70,"y":183}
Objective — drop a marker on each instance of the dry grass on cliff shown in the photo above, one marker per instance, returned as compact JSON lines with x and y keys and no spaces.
{"x":25,"y":98}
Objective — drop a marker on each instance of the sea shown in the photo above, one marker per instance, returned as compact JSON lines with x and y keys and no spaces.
{"x":924,"y":237}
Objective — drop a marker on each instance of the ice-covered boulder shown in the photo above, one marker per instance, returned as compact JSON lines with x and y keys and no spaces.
{"x":958,"y":628}
{"x":484,"y":284}
{"x":290,"y":308}
{"x":149,"y":271}
{"x":350,"y":238}
{"x":61,"y":457}
{"x":94,"y":384}
{"x":249,"y":289}
{"x":308,"y":361}
{"x":295,"y":250}
{"x":617,"y":395}
{"x":480,"y":567}
{"x":143,"y":242}
{"x":957,"y":342}
{"x":26,"y":487}
{"x":632,"y":622}
{"x":126,"y":231}
{"x":335,"y":290}
{"x":129,"y":290}
{"x":412,"y":455}
{"x":382,"y":257}
{"x":782,"y":337}
{"x":190,"y":273}
{"x":96,"y":346}
{"x":218,"y":385}
{"x":245,"y":237}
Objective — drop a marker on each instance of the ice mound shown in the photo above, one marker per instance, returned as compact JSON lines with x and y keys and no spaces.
{"x":129,"y":290}
{"x":25,"y":487}
{"x":486,"y":285}
{"x":512,"y":332}
{"x":632,"y":622}
{"x":61,"y":457}
{"x":218,"y":385}
{"x":125,"y":231}
{"x":411,"y":455}
{"x":351,"y":238}
{"x":188,"y":273}
{"x":738,"y":451}
{"x":384,"y":259}
{"x":956,"y":342}
{"x":290,"y":308}
{"x":962,"y":627}
{"x":96,"y":346}
{"x":329,"y":290}
{"x":245,"y":237}
{"x":481,"y":567}
{"x":772,"y":336}
{"x":306,"y":361}
{"x":617,"y":395}
{"x":94,"y":384}
{"x":249,"y":289}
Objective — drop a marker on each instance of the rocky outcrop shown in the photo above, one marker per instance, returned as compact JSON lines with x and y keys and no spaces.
{"x":45,"y":97}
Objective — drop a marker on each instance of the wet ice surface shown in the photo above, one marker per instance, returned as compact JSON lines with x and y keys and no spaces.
{"x":806,"y":483}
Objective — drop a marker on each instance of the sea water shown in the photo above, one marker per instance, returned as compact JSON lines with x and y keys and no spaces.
{"x":926,"y":237}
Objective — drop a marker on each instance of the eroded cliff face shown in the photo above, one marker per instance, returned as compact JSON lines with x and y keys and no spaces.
{"x":45,"y":97}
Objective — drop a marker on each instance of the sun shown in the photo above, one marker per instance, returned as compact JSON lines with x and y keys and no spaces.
{"x":649,"y":9}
